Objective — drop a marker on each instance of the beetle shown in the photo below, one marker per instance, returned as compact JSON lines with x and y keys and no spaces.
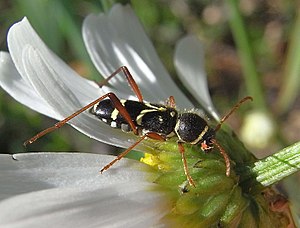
{"x":154,"y":121}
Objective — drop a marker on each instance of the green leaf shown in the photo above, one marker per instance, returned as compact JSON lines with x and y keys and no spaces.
{"x":278,"y":166}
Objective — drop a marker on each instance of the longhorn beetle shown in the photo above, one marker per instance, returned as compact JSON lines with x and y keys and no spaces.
{"x":154,"y":121}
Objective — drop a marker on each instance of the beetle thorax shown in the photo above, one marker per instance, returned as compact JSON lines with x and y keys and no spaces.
{"x":193,"y":129}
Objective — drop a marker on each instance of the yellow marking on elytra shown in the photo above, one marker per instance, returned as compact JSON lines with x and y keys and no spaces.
{"x":143,"y":112}
{"x":155,"y":107}
{"x":115,"y":112}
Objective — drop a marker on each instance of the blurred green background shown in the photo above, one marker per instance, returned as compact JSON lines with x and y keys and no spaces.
{"x":252,"y":48}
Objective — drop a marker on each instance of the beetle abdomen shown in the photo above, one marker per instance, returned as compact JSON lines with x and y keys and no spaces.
{"x":147,"y":117}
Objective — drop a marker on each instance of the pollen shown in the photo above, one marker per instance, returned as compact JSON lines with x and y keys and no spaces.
{"x":150,"y":159}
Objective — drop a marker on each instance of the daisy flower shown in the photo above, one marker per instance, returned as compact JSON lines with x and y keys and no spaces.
{"x":66,"y":189}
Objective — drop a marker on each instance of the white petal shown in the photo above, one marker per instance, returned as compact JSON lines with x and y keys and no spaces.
{"x":23,"y":173}
{"x":21,"y":38}
{"x":58,"y":85}
{"x":108,"y":207}
{"x":118,"y":39}
{"x":12,"y":82}
{"x":189,"y":60}
{"x":64,"y":190}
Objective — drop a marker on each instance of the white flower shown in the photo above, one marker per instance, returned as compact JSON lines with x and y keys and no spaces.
{"x":66,"y":189}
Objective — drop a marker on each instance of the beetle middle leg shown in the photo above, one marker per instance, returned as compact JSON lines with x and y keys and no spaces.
{"x":185,"y":166}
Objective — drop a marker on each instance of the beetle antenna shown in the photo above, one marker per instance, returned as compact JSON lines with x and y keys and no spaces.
{"x":232,"y":111}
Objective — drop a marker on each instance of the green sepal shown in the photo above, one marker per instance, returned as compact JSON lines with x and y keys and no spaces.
{"x":238,"y":200}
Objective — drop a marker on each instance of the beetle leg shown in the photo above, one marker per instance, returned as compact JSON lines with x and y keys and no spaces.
{"x":151,"y":135}
{"x":129,"y":78}
{"x":116,"y":102}
{"x":185,"y":166}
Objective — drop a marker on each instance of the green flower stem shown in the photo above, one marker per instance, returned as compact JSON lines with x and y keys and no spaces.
{"x":291,"y":79}
{"x":278,"y":166}
{"x":252,"y":80}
